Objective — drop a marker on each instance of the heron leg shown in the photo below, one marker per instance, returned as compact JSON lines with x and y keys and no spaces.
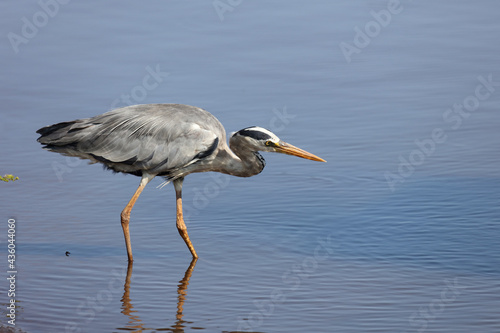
{"x":125,"y":215}
{"x":181,"y":226}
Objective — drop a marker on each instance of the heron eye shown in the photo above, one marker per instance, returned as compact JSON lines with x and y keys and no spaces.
{"x":269,"y":143}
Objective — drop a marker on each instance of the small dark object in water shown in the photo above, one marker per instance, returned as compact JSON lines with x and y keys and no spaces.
{"x":67,"y":253}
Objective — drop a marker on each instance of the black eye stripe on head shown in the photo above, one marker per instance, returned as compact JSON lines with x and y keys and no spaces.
{"x":255,"y":134}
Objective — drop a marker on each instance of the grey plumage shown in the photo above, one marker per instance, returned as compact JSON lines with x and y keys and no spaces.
{"x":169,"y":140}
{"x":160,"y":139}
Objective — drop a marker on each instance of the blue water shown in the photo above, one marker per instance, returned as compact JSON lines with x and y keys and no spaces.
{"x":397,"y":232}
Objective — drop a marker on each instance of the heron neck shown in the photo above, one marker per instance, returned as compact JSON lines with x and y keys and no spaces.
{"x":241,"y":162}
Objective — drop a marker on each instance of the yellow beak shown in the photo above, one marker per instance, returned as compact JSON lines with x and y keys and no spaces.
{"x":286,"y":148}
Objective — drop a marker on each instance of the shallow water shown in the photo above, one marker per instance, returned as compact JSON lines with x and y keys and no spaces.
{"x":398,"y":232}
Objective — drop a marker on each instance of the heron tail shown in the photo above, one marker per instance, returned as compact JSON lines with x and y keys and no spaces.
{"x":61,"y":134}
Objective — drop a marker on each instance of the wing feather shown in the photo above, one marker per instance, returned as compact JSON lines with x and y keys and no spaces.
{"x":157,"y":138}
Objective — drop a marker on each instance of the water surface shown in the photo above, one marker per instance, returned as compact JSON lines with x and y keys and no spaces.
{"x":398,"y":232}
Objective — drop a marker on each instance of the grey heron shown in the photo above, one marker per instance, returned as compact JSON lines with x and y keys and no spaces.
{"x":167,"y":140}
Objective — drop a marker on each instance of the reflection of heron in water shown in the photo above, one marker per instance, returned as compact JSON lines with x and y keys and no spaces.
{"x":134,"y":320}
{"x":182,"y":293}
{"x":127,"y":307}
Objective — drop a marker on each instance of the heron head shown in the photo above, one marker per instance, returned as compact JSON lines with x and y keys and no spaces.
{"x":261,"y":139}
